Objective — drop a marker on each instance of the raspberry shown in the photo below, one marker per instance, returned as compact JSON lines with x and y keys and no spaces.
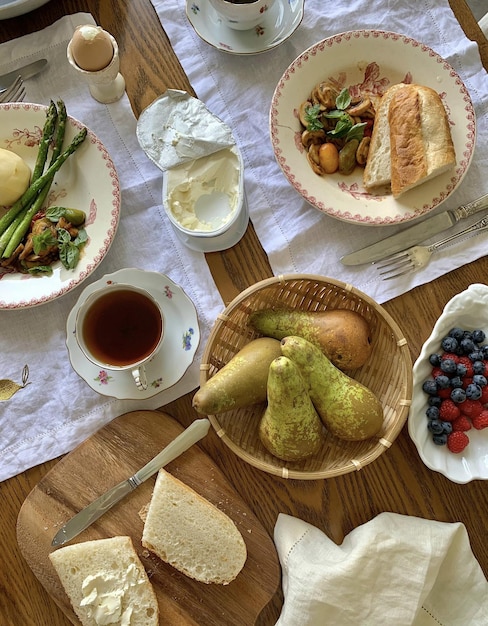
{"x":451,"y":356}
{"x":484,"y":395}
{"x":481,"y":420}
{"x":466,"y":361}
{"x":471,"y":408}
{"x":444,"y":393}
{"x":436,"y":371}
{"x":461,"y":423}
{"x":449,"y":411}
{"x":457,"y":441}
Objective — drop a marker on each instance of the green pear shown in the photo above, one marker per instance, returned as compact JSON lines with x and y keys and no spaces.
{"x":347,"y":408}
{"x":343,"y":335}
{"x":241,"y":382}
{"x":290,"y":428}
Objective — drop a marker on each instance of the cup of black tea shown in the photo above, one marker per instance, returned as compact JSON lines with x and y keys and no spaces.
{"x":241,"y":15}
{"x":120,"y":328}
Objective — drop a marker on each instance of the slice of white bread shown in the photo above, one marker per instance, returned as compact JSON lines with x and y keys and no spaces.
{"x":187,"y":531}
{"x":420,"y":138}
{"x":377,"y":172}
{"x":106,"y":582}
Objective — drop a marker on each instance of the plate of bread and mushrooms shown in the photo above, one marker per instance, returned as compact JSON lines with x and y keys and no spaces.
{"x":372,"y":127}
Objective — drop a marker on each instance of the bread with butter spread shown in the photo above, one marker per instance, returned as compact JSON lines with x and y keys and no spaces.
{"x":106,"y":582}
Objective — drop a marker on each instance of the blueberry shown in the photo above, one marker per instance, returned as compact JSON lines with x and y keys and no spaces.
{"x":457,"y":333}
{"x":458,"y":395}
{"x":467,"y":345}
{"x":435,"y":427}
{"x":448,"y":366}
{"x":435,"y":359}
{"x":477,"y":355}
{"x":432,"y":412}
{"x":434,"y":401}
{"x":440,"y":440}
{"x":442,"y":382}
{"x":478,"y":367}
{"x":461,"y":369}
{"x":479,"y":379}
{"x":473,"y":391}
{"x":478,"y":336}
{"x":484,"y":351}
{"x":449,"y":344}
{"x":456,"y":381}
{"x":430,"y":387}
{"x":447,"y":427}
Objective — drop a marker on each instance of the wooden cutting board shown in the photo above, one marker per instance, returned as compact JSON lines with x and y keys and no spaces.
{"x":113,"y":454}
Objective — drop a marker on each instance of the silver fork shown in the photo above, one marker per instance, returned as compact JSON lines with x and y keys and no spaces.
{"x":14,"y":93}
{"x":418,"y":256}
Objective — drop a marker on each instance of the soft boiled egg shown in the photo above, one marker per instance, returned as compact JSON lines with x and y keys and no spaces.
{"x":14,"y":177}
{"x":91,"y":48}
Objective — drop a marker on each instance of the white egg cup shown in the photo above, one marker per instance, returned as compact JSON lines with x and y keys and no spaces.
{"x":106,"y":85}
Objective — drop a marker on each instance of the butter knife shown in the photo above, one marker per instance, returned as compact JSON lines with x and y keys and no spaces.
{"x":73,"y":527}
{"x":25,"y":72}
{"x":414,"y":234}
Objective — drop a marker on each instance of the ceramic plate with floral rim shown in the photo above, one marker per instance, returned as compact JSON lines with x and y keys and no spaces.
{"x":279,"y":22}
{"x":87,"y":181}
{"x":180,"y":341}
{"x":372,"y":60}
{"x":467,"y":310}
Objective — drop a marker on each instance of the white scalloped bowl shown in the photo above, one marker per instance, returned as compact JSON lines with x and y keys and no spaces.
{"x":469,"y":310}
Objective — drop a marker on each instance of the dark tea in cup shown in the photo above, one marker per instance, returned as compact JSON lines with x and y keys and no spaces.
{"x":122,"y":327}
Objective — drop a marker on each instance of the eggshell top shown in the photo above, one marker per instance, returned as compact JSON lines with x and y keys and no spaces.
{"x":91,"y":48}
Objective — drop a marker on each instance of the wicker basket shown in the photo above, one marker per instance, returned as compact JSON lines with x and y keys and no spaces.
{"x":388,"y":373}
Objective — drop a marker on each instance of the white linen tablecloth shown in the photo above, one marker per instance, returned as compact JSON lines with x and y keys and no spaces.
{"x":238,"y":89}
{"x":393,"y":570}
{"x":57,"y":409}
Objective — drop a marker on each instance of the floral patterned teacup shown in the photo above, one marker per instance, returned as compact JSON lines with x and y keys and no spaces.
{"x":241,"y":15}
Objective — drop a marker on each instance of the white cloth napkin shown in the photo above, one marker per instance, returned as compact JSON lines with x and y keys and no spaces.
{"x":394,"y":569}
{"x":57,"y":409}
{"x":238,"y":89}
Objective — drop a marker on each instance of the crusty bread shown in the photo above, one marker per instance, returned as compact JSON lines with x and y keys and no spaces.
{"x":377,"y":172}
{"x":106,"y":565}
{"x":411,"y":141}
{"x":420,"y":138}
{"x":187,"y":531}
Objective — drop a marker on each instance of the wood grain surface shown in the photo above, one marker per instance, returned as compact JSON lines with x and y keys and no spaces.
{"x":398,"y":481}
{"x":110,"y":456}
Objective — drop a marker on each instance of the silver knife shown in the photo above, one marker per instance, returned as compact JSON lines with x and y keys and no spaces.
{"x":73,"y":527}
{"x":27,"y":71}
{"x":414,"y":234}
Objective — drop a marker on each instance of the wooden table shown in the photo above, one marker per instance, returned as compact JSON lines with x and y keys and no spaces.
{"x":398,"y":481}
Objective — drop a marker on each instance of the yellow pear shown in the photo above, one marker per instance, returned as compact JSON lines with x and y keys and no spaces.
{"x":343,"y":335}
{"x":241,"y":382}
{"x":347,"y":408}
{"x":290,"y":428}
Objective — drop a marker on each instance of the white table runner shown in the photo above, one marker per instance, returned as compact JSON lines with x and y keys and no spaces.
{"x":57,"y":409}
{"x":238,"y":89}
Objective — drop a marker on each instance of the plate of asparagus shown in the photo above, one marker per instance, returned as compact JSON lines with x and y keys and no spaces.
{"x":62,"y":226}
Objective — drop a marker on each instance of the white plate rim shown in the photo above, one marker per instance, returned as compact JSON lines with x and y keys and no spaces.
{"x":14,"y":287}
{"x":345,"y":198}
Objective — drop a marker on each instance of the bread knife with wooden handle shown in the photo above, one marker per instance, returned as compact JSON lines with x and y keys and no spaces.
{"x":415,"y":234}
{"x":73,"y":527}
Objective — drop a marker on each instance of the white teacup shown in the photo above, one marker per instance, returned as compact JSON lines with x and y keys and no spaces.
{"x":120,"y":328}
{"x":241,"y":15}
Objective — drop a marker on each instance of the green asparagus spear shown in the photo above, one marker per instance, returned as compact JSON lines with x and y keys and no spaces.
{"x":37,"y":203}
{"x":47,"y":135}
{"x":37,"y":186}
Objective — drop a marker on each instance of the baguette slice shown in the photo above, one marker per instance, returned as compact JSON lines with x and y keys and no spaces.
{"x":106,"y":582}
{"x":420,"y":138}
{"x":185,"y":530}
{"x":377,"y":172}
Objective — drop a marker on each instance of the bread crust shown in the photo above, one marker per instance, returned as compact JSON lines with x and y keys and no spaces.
{"x":411,"y":141}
